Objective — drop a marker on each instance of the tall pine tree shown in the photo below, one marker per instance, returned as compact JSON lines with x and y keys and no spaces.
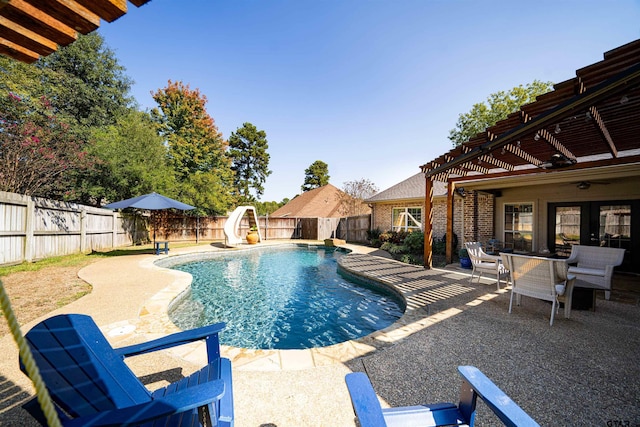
{"x":249,"y":160}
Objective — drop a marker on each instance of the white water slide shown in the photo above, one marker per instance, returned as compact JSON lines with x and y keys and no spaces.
{"x":232,"y":226}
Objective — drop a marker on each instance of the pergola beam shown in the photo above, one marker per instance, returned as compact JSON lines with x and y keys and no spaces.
{"x":604,"y":132}
{"x":517,"y":151}
{"x":583,"y":101}
{"x":41,"y":26}
{"x":546,"y":135}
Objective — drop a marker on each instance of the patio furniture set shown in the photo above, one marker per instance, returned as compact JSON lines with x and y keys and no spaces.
{"x":88,"y":382}
{"x":548,"y":278}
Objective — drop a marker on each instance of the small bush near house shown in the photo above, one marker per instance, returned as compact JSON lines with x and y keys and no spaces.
{"x":408,"y":247}
{"x":373,"y":236}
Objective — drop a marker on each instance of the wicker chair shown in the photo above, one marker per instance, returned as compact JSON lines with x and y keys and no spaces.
{"x":595,"y":266}
{"x":543,"y":278}
{"x":485,"y":263}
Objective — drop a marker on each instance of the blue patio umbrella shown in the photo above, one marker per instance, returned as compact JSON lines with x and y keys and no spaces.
{"x":152,"y":201}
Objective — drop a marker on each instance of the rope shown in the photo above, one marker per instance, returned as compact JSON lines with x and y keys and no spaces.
{"x":44,"y":399}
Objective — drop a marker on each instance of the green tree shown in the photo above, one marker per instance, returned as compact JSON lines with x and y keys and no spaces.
{"x":87,"y":89}
{"x":497,"y":107}
{"x":196,"y":149}
{"x":37,"y":152}
{"x":267,"y":208}
{"x":316,"y":176}
{"x":133,"y":160}
{"x":249,"y":160}
{"x":85,"y":81}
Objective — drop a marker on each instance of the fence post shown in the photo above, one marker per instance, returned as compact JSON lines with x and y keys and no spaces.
{"x":83,"y":231}
{"x":28,"y":232}
{"x":114,"y":231}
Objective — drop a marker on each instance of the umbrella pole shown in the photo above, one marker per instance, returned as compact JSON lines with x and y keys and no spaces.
{"x":153,"y":223}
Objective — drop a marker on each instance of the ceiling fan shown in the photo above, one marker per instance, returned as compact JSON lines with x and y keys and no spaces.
{"x":585,"y":185}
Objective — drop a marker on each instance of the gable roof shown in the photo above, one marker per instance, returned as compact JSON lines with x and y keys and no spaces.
{"x":321,"y":202}
{"x":413,"y":187}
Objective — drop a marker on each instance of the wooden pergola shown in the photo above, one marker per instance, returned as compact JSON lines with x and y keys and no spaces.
{"x":588,"y":121}
{"x":33,"y":28}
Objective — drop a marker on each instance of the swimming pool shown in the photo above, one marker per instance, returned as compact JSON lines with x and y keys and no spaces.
{"x":283,"y":298}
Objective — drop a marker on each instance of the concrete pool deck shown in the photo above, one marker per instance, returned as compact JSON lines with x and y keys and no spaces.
{"x":448,"y":322}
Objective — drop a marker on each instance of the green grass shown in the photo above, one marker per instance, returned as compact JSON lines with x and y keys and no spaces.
{"x":61,"y":261}
{"x":83,"y":259}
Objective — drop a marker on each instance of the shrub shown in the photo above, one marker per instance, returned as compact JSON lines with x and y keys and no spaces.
{"x":438,"y":247}
{"x":373,"y":236}
{"x":414,"y":242}
{"x":386,"y":246}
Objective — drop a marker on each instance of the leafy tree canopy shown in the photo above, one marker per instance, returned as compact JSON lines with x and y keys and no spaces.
{"x":85,"y":81}
{"x":353,"y":197}
{"x":197,"y":151}
{"x":133,"y":159}
{"x":267,"y":208}
{"x":497,"y":107}
{"x":86,"y":89}
{"x":38,"y":154}
{"x":316,"y":176}
{"x":249,"y":160}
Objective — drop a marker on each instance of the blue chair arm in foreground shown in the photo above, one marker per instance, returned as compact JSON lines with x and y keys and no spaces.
{"x":475,"y":384}
{"x":91,"y":385}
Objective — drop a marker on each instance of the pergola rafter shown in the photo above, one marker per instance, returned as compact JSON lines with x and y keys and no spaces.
{"x":547,"y":136}
{"x":33,"y":28}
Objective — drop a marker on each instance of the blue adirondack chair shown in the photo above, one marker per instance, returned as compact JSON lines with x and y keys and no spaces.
{"x":475,"y":384}
{"x":91,"y":385}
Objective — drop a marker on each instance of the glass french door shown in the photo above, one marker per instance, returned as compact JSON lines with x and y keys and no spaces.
{"x":613,"y":224}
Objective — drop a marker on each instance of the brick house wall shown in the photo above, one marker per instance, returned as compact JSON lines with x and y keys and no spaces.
{"x":382,"y":215}
{"x":478,"y":217}
{"x":382,"y":212}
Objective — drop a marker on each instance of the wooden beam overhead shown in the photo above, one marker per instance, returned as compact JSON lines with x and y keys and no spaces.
{"x":600,"y":125}
{"x":474,"y":166}
{"x":517,"y":151}
{"x":20,"y":53}
{"x":42,"y":23}
{"x":604,"y":132}
{"x":109,"y":10}
{"x":562,"y":104}
{"x":488,"y":158}
{"x":70,"y":13}
{"x":546,"y":135}
{"x":41,"y":26}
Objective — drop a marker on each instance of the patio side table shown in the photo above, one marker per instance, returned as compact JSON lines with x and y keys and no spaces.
{"x":161,"y":246}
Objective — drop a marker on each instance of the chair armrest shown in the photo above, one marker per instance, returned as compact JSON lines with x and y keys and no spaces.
{"x":608,"y":272}
{"x":490,"y":258}
{"x":364,"y":400}
{"x":181,"y":401}
{"x":172,"y":340}
{"x":501,"y":404}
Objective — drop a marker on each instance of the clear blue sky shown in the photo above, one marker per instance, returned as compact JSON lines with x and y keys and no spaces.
{"x":371,"y":87}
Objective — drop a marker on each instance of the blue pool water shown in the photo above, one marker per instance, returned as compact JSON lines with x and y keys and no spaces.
{"x":275,"y":298}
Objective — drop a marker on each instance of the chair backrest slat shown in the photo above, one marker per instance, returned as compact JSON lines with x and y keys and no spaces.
{"x":81,"y":370}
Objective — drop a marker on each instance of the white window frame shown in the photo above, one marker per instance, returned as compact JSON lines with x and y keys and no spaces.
{"x":406,"y":218}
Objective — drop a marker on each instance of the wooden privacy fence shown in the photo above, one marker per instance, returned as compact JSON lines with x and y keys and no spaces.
{"x":174,"y":227}
{"x":33,"y":228}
